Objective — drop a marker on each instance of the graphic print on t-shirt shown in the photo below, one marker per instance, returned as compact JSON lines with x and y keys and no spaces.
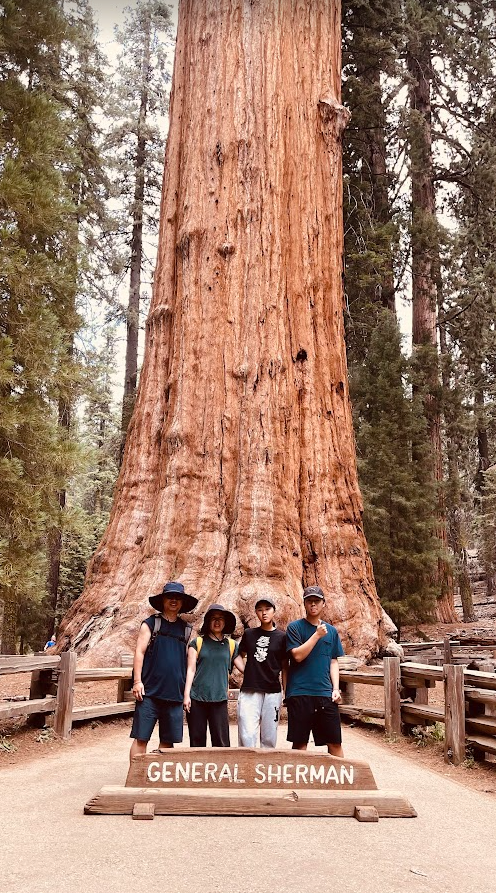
{"x":262,"y":649}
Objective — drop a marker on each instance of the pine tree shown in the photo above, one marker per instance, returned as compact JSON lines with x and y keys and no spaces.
{"x":81,"y":94}
{"x":399,"y":501}
{"x":36,"y":225}
{"x":371,"y":34}
{"x":137,"y":107}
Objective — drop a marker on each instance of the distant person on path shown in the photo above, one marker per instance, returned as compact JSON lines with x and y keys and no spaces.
{"x":211,"y":657}
{"x":259,"y":701}
{"x":50,"y":644}
{"x":159,"y":669}
{"x":312,"y":692}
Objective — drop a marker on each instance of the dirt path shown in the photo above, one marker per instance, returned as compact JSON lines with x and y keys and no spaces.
{"x":47,"y":843}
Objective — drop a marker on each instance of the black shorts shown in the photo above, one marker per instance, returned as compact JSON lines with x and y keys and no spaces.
{"x":170,"y":720}
{"x":318,"y":715}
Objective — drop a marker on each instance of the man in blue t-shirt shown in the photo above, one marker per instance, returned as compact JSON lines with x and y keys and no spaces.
{"x":312,"y":692}
{"x":159,"y":670}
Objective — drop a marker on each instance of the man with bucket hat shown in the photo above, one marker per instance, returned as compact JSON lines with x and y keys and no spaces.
{"x":159,"y":669}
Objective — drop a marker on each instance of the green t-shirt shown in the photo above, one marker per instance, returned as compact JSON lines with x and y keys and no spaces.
{"x":213,"y":666}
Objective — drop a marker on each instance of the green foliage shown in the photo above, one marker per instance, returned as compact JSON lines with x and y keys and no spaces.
{"x":394,"y":477}
{"x":425,"y":735}
{"x":136,"y":107}
{"x":36,"y":227}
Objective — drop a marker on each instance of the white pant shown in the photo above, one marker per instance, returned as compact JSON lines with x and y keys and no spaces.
{"x":257,"y":710}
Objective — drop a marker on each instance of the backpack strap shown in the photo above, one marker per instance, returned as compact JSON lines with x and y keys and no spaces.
{"x":188,"y":629}
{"x":157,"y":622}
{"x":199,"y":643}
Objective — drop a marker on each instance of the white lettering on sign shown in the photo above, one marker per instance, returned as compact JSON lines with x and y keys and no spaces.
{"x":302,"y":774}
{"x":265,"y":773}
{"x":195,"y":772}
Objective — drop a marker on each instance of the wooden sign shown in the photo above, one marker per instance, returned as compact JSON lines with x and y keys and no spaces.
{"x":245,"y":781}
{"x":241,"y":767}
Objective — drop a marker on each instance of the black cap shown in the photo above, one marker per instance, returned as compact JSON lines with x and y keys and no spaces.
{"x":267,"y":600}
{"x":313,"y":592}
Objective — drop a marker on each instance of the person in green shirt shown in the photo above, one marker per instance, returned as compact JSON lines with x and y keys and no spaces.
{"x":211,"y":657}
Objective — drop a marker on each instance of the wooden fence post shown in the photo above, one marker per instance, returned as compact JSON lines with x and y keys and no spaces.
{"x":65,"y":694}
{"x":448,"y":654}
{"x":454,"y":714}
{"x":392,"y":700}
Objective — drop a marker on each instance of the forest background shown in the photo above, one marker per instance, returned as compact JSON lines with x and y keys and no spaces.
{"x":82,"y":136}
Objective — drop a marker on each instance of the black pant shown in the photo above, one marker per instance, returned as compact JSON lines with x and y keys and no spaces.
{"x":215,"y":714}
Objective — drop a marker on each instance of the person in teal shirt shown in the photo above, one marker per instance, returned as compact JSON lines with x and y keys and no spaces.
{"x":312,"y":690}
{"x":211,"y":657}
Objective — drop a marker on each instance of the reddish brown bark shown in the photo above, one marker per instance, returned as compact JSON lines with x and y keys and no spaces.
{"x":425,"y":264}
{"x":239,"y":473}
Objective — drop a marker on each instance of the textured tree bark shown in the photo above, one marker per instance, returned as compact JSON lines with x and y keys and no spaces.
{"x":239,"y":473}
{"x":425,"y":263}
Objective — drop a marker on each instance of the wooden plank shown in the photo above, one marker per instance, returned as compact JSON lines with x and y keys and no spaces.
{"x":447,"y":653}
{"x":481,"y":695}
{"x":355,"y":712}
{"x":361,"y":678}
{"x":43,"y":682}
{"x":421,"y":671}
{"x":415,"y":712}
{"x":62,"y":723}
{"x":99,"y":674}
{"x":26,"y":708}
{"x":143,"y":811}
{"x":366,"y":814}
{"x":392,"y":699}
{"x":18,"y":663}
{"x":245,"y":767}
{"x":482,"y":723}
{"x":482,"y":742}
{"x":454,"y":700}
{"x":114,"y":800}
{"x":95,"y":710}
{"x":480,"y":679}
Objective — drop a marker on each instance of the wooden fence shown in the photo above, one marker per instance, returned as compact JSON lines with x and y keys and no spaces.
{"x":53,"y":680}
{"x":469,"y":710}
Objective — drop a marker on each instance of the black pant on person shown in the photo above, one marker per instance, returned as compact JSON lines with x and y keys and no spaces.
{"x":215,"y":714}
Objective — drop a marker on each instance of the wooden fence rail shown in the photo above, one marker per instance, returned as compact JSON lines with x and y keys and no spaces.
{"x":469,"y":710}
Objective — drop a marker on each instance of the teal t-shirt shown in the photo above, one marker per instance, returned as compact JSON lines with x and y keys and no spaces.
{"x":213,"y":666}
{"x":312,"y":675}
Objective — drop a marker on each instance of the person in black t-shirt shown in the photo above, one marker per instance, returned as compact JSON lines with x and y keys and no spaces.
{"x":259,"y":701}
{"x":159,"y":670}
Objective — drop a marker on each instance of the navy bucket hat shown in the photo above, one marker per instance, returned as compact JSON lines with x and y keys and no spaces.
{"x":189,"y":602}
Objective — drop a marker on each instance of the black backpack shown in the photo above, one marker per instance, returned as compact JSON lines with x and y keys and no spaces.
{"x":156,"y":631}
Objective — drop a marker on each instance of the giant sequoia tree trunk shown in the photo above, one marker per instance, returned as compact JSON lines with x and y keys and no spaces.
{"x":239,"y":472}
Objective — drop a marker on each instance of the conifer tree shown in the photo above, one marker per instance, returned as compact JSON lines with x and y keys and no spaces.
{"x":371,"y":34}
{"x":81,"y":93}
{"x":399,"y":501}
{"x":36,"y":220}
{"x":137,"y":107}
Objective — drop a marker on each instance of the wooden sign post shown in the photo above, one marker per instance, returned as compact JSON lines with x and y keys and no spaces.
{"x":244,"y":781}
